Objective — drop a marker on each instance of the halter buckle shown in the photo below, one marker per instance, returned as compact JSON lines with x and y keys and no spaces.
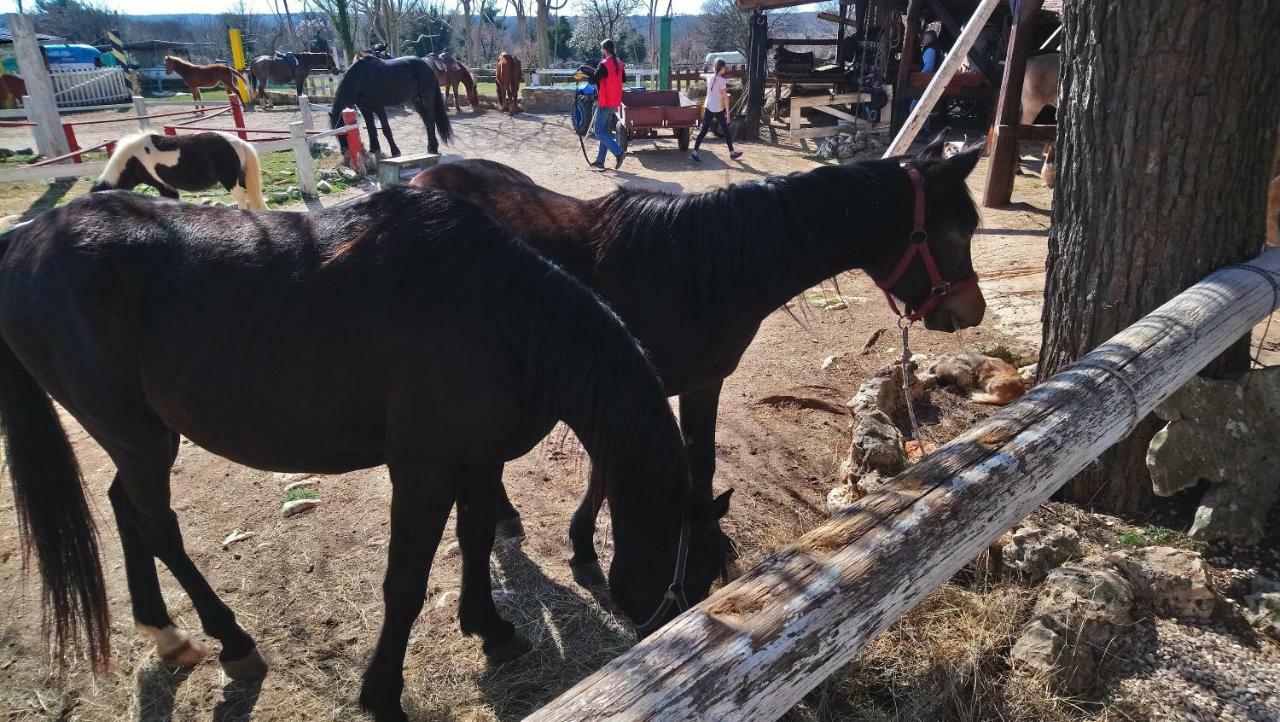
{"x":919,"y":235}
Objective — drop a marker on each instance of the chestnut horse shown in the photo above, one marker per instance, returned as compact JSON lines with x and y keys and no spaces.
{"x":508,"y":76}
{"x":449,"y":72}
{"x":693,"y":276}
{"x":204,"y":76}
{"x":11,"y":86}
{"x":1040,"y":91}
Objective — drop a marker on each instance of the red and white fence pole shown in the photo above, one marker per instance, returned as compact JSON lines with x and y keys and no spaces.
{"x":69,"y":133}
{"x":237,"y":113}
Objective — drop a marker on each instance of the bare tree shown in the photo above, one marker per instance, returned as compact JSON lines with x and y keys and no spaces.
{"x":470,"y":37}
{"x":342,"y":15}
{"x":388,"y":18}
{"x":543,"y":28}
{"x":522,"y":23}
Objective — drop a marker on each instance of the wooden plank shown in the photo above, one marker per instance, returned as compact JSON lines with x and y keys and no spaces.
{"x":756,"y":647}
{"x":40,"y":103}
{"x":980,"y":53}
{"x":833,"y":18}
{"x":933,"y":93}
{"x":910,"y":38}
{"x":837,"y":113}
{"x":813,"y":101}
{"x":821,"y":131}
{"x":56,"y":170}
{"x":1042,"y":133}
{"x":803,"y":41}
{"x":1004,"y":154}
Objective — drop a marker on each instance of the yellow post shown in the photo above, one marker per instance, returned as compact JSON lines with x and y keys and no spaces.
{"x":237,"y":60}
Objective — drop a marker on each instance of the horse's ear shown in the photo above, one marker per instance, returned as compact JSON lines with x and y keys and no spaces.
{"x":719,"y":507}
{"x":933,"y":151}
{"x":960,"y":165}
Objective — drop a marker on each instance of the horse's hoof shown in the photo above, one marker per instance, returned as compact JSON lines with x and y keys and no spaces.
{"x":506,"y":651}
{"x":252,"y":666}
{"x":188,"y":654}
{"x":588,"y":574}
{"x":509,"y":528}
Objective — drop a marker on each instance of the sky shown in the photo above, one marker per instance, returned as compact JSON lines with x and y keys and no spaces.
{"x":157,"y":7}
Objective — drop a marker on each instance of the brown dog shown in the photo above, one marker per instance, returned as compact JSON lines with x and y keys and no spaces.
{"x":990,"y":380}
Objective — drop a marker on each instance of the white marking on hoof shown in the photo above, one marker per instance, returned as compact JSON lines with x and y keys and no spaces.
{"x":175,"y":646}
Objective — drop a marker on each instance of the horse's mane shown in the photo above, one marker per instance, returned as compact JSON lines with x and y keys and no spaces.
{"x":180,"y":62}
{"x":720,"y":246}
{"x":126,"y":148}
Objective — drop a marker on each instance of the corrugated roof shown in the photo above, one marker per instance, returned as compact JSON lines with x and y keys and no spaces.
{"x":6,"y":37}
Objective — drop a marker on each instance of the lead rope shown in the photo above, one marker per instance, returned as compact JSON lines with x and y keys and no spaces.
{"x":906,"y":384}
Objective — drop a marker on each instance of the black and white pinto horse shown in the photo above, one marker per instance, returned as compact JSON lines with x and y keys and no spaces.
{"x":371,"y":84}
{"x":170,"y":163}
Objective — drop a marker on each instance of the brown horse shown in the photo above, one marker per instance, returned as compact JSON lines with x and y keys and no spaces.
{"x":1040,"y":91}
{"x":203,"y":76}
{"x":267,"y":69}
{"x":449,"y":72}
{"x":11,"y":86}
{"x":508,"y":77}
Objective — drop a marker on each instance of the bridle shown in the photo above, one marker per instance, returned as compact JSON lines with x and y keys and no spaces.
{"x":675,"y":593}
{"x":918,"y":245}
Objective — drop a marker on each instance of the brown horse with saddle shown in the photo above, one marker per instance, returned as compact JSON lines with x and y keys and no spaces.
{"x":449,"y":72}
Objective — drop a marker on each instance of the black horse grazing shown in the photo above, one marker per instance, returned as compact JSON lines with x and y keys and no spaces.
{"x":693,"y":276}
{"x":170,"y":163}
{"x":371,"y":84}
{"x":407,"y":329}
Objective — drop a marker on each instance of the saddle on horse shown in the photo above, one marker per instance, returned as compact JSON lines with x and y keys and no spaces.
{"x":443,"y":63}
{"x":289,"y":58}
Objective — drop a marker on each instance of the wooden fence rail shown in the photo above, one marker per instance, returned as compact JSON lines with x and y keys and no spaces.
{"x":759,"y":645}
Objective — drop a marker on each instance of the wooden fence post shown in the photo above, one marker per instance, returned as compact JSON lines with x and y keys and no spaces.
{"x":237,"y":113}
{"x":140,"y":109}
{"x":69,"y":133}
{"x":757,"y":646}
{"x":41,"y":104}
{"x":938,"y":85}
{"x":1004,"y":150}
{"x":304,"y":111}
{"x":302,"y":156}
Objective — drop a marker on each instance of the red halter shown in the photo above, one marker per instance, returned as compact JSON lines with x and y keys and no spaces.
{"x":919,"y":245}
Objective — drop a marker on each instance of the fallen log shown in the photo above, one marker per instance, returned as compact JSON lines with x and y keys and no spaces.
{"x":752,"y":650}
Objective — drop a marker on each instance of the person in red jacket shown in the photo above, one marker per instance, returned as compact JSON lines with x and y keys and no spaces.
{"x":608,"y":77}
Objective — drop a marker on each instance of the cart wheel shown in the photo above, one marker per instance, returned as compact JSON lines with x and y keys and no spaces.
{"x":682,"y":138}
{"x":623,"y":137}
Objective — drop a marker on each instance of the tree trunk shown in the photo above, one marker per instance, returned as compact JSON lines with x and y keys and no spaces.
{"x":542,"y":27}
{"x":522,"y":24}
{"x":469,"y":33}
{"x":1167,"y":125}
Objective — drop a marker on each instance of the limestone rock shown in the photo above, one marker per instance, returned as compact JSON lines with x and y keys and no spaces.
{"x":1028,"y":374}
{"x":323,"y":186}
{"x":297,"y":506}
{"x":843,"y":496}
{"x":1011,"y":352}
{"x":347,"y":173}
{"x":1033,"y":552}
{"x":843,"y":145}
{"x":1080,"y":609}
{"x":1264,"y":606}
{"x":1172,"y":582}
{"x":6,"y":153}
{"x":1223,"y":432}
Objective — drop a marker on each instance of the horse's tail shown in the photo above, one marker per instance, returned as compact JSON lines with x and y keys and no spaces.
{"x":53,"y":517}
{"x":253,"y":177}
{"x":432,"y":109}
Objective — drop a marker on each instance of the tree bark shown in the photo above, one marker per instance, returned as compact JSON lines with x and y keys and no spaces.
{"x":1167,"y":124}
{"x":541,"y":27}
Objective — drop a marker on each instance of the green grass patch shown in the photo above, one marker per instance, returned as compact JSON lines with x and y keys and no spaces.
{"x":1154,"y":535}
{"x":301,"y":493}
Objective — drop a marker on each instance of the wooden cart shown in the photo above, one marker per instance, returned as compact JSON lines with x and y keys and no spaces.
{"x":643,"y":112}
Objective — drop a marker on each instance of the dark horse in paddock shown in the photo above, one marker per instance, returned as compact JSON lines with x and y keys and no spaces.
{"x":266,"y":69}
{"x":371,"y":84}
{"x":693,"y":276}
{"x":407,"y":329}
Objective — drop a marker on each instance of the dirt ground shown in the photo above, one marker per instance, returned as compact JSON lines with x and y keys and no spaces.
{"x":309,"y":587}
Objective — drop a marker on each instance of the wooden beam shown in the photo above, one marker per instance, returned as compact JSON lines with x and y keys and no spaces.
{"x":933,"y":93}
{"x":910,"y":38}
{"x":1042,"y":133}
{"x":979,"y":53}
{"x":813,"y":101}
{"x":757,"y":64}
{"x":757,"y":646}
{"x":803,"y":41}
{"x":41,"y":104}
{"x":1004,"y":153}
{"x":832,"y":18}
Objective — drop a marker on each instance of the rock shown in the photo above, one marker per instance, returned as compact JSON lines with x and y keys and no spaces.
{"x":877,"y":443}
{"x":298,"y":506}
{"x":1014,"y":353}
{"x":24,"y":151}
{"x":1172,"y":582}
{"x":235,"y":536}
{"x":447,"y":601}
{"x":537,"y":99}
{"x":293,"y":192}
{"x":329,"y":174}
{"x":1028,"y":374}
{"x":324,"y":187}
{"x":278,"y":197}
{"x":6,"y":153}
{"x":452,"y":550}
{"x":302,"y":484}
{"x":1080,"y":609}
{"x":1223,"y":432}
{"x":843,"y":496}
{"x":1263,"y":606}
{"x":347,"y":173}
{"x":1033,"y":552}
{"x":843,"y":145}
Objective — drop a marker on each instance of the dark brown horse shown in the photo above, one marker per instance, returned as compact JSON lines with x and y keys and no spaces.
{"x":449,"y":73}
{"x":407,"y":329}
{"x":693,"y":276}
{"x":267,"y":69}
{"x":508,"y":77}
{"x":203,"y":76}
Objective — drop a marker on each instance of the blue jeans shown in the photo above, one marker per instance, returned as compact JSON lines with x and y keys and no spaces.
{"x":607,"y":143}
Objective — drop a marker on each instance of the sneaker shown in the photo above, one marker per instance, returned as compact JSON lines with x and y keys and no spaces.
{"x":598,"y":165}
{"x":735,"y":155}
{"x":694,"y":157}
{"x":618,"y":163}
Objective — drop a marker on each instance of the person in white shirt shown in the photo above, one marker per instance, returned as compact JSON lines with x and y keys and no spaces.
{"x":716,"y":110}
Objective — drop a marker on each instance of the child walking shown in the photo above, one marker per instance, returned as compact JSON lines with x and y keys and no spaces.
{"x":716,"y":109}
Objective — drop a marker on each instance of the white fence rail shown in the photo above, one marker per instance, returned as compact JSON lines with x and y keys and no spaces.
{"x":564,"y":75}
{"x":99,"y":86}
